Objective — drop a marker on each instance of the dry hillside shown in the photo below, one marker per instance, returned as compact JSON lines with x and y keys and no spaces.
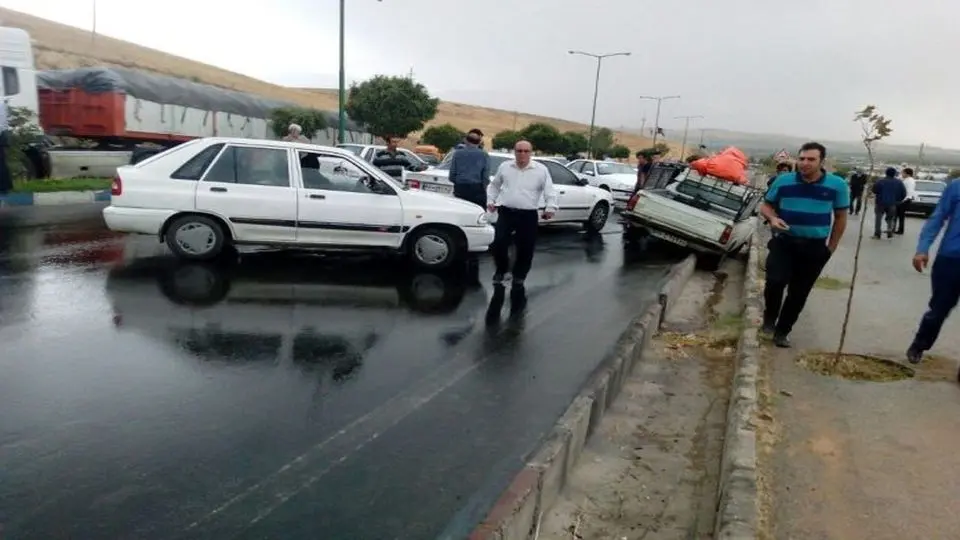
{"x":59,"y":46}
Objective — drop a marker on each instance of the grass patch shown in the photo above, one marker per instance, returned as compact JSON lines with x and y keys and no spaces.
{"x":831,"y":284}
{"x":728,"y":323}
{"x":53,"y":185}
{"x":855,"y":367}
{"x":713,"y":343}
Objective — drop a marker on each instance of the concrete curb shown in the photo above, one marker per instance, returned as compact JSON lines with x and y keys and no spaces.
{"x":55,"y":198}
{"x":737,"y":511}
{"x":518,"y":512}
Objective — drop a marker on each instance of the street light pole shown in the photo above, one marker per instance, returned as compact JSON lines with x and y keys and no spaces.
{"x":686,"y":128}
{"x":656,"y":123}
{"x":596,"y":91}
{"x":342,"y":119}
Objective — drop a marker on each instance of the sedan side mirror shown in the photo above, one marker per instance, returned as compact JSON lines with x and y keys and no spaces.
{"x":583,"y":182}
{"x":588,"y":173}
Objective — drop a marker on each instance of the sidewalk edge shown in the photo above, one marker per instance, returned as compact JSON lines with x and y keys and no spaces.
{"x":54,"y":198}
{"x":737,"y":495}
{"x":518,"y":512}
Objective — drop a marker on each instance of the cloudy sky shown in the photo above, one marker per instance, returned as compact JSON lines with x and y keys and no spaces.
{"x":768,"y":66}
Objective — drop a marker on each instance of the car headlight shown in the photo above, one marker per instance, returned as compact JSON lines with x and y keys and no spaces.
{"x":482,"y":219}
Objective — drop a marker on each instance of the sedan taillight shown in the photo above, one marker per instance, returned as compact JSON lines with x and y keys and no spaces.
{"x":116,"y":188}
{"x":413,"y":184}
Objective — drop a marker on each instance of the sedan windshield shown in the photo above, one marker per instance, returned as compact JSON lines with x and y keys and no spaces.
{"x":615,"y":168}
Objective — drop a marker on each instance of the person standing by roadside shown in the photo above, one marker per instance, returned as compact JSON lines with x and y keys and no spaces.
{"x":858,"y":182}
{"x":6,"y":180}
{"x":295,"y":134}
{"x":515,"y":194}
{"x":644,"y":164}
{"x":391,"y":160}
{"x":782,"y":168}
{"x":468,"y":170}
{"x":945,"y":275}
{"x":807,"y":211}
{"x":888,"y":192}
{"x":910,"y":183}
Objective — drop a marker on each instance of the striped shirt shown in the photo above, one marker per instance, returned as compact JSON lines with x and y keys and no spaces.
{"x":808,"y":207}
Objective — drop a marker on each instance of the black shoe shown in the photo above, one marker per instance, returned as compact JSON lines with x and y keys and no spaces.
{"x":518,"y":298}
{"x":496,"y":304}
{"x":889,"y":234}
{"x":914,"y":355}
{"x":498,"y":278}
{"x":876,"y":237}
{"x":781,"y":340}
{"x":768,"y":328}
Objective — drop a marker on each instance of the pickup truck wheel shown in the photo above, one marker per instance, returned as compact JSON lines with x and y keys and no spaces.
{"x":434,"y":248}
{"x":197,"y":238}
{"x":598,"y":218}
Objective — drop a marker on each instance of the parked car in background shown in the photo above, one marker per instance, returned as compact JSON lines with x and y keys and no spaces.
{"x":928,"y":196}
{"x":207,"y":194}
{"x":578,"y":202}
{"x":617,"y":178}
{"x":429,"y":159}
{"x":708,"y":216}
{"x":368,"y":151}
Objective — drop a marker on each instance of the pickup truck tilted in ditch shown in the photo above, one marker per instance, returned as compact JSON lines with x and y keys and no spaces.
{"x":711,"y":217}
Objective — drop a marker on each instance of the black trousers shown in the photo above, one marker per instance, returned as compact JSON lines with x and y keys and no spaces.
{"x":521,"y":224}
{"x":902,"y":216}
{"x":884,"y":215}
{"x":474,"y":193}
{"x":856,"y":202}
{"x":945,"y":292}
{"x":793,"y":265}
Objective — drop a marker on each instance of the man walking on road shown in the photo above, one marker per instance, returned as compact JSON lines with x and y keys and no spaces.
{"x":945,"y":276}
{"x":858,"y":182}
{"x":807,"y":211}
{"x":468,"y":170}
{"x":515,"y":194}
{"x":888,"y":192}
{"x":910,"y":183}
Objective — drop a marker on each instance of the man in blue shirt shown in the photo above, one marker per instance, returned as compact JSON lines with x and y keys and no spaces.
{"x":807,"y":212}
{"x":889,"y":191}
{"x":468,"y":170}
{"x":945,"y":276}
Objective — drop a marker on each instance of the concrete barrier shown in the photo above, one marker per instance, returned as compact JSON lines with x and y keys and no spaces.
{"x":737,"y":503}
{"x":517,"y":514}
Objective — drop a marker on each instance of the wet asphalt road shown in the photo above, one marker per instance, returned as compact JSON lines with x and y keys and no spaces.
{"x":290,"y":396}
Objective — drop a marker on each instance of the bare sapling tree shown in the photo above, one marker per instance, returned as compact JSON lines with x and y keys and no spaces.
{"x":874,"y":127}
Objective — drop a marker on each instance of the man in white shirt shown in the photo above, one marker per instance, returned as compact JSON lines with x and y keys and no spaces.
{"x":515,"y":194}
{"x":910,"y":183}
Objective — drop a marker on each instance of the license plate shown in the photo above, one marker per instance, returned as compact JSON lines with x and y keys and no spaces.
{"x":669,"y":238}
{"x":437,"y":189}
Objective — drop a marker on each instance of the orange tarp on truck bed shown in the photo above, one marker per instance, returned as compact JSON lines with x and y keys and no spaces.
{"x":729,"y":165}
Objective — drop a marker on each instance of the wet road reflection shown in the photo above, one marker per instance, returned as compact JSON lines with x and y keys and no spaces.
{"x":282,"y":395}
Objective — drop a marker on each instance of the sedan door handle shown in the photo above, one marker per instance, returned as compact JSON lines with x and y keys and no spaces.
{"x":563,"y":192}
{"x":219,"y":189}
{"x":315,"y":196}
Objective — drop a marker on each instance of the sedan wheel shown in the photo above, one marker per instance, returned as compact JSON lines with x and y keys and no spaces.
{"x":433,"y":248}
{"x":598,"y":218}
{"x":195,"y":237}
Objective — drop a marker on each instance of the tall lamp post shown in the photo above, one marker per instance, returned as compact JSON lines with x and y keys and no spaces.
{"x":686,"y":128}
{"x":342,"y":120}
{"x":596,"y":91}
{"x":656,"y":123}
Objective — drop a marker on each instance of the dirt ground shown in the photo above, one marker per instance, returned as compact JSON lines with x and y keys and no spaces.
{"x":650,"y":470}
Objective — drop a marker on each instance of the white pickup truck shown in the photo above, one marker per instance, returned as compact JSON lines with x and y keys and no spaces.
{"x":712,"y":217}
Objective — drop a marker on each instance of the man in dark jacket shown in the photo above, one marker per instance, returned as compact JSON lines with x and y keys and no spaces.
{"x":858,"y":182}
{"x":391,"y":160}
{"x":889,"y":192}
{"x":468,"y":170}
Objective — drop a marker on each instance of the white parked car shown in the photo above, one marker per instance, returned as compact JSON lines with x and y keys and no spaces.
{"x":577,"y":202}
{"x":617,"y":178}
{"x":206,"y":194}
{"x":368,"y":151}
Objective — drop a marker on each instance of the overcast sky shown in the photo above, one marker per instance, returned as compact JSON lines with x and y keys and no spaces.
{"x":768,"y":66}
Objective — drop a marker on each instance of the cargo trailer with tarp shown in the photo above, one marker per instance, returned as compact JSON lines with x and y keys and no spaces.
{"x":125,"y":107}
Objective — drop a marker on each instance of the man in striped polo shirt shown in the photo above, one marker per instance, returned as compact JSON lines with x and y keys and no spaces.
{"x":807,"y":212}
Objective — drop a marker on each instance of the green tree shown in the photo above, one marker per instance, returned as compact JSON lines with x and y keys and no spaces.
{"x":24,"y":130}
{"x":311,"y":120}
{"x":391,"y":106}
{"x":444,"y":136}
{"x":506,"y":139}
{"x":574,"y":142}
{"x":544,"y":137}
{"x":603,"y":139}
{"x":874,"y":127}
{"x":619,"y":151}
{"x":661,"y":148}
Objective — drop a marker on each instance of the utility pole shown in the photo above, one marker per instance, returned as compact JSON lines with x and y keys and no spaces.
{"x":596,"y":91}
{"x":93,"y":33}
{"x":342,"y":116}
{"x":686,"y":128}
{"x":702,"y":131}
{"x":656,"y":123}
{"x":643,"y":126}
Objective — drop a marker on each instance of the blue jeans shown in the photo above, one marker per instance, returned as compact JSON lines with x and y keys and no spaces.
{"x":945,"y":285}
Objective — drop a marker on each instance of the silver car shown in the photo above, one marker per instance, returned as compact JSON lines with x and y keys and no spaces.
{"x":928,"y":195}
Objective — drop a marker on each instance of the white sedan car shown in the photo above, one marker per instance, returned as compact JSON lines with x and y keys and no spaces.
{"x":203,"y":195}
{"x":577,"y":202}
{"x":617,"y":178}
